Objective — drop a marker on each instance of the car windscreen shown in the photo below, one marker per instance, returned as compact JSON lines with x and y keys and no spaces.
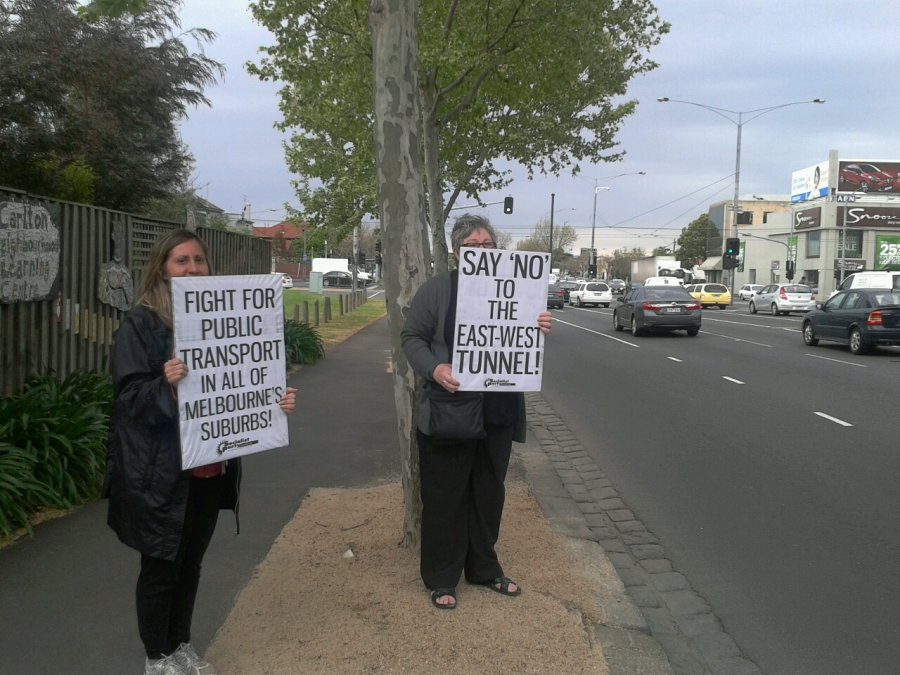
{"x":716,"y":288}
{"x":666,"y":293}
{"x":597,"y":288}
{"x":797,"y":289}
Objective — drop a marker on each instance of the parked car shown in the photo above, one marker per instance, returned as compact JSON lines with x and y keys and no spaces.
{"x":783,"y":299}
{"x":286,"y":280}
{"x":341,"y":279}
{"x":556,"y":297}
{"x":568,"y":287}
{"x":865,"y":178}
{"x":652,"y":308}
{"x":861,"y":318}
{"x":710,"y":295}
{"x":745,"y":291}
{"x":591,"y":293}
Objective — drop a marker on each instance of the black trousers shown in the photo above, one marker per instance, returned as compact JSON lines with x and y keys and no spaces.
{"x":166,"y":589}
{"x":463,"y":493}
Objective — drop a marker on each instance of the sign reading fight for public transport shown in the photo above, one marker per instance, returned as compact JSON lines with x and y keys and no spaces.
{"x":229,"y":331}
{"x":498,"y":345}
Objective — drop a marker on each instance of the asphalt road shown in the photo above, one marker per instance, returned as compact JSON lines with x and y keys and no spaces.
{"x":768,"y":469}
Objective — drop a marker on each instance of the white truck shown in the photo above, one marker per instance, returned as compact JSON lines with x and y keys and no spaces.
{"x":664,"y":266}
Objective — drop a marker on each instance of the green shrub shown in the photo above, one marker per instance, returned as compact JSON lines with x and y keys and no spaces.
{"x":52,"y":445}
{"x":303,"y":344}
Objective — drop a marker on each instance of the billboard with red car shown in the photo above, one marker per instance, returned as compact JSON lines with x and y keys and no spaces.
{"x":869,"y":176}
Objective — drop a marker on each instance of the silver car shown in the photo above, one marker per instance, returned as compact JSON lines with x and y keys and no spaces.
{"x":783,"y":299}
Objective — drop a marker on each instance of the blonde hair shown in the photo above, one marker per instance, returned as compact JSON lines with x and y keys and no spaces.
{"x":155,"y":292}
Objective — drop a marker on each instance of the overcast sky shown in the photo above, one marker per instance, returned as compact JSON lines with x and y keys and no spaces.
{"x":738,"y":55}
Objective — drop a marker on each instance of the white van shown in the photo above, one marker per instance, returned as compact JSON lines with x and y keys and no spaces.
{"x":870,"y":280}
{"x":663,"y":281}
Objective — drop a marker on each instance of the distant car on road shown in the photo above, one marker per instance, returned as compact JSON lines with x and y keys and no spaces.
{"x":341,"y":280}
{"x":861,"y":318}
{"x":652,"y":308}
{"x":783,"y":299}
{"x":286,"y":280}
{"x":747,"y":290}
{"x":591,"y":293}
{"x":617,"y":286}
{"x":556,"y":297}
{"x":567,"y":287}
{"x":710,"y":295}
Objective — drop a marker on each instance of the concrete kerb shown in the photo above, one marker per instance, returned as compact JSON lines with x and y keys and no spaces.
{"x":654,"y":622}
{"x":622,"y":631}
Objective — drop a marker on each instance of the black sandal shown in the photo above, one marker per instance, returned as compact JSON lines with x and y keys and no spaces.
{"x":438,"y":593}
{"x":501,"y":585}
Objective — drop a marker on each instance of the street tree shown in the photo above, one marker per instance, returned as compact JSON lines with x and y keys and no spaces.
{"x":538,"y":83}
{"x":89,"y":105}
{"x":618,"y":265}
{"x":539,"y":239}
{"x":699,"y":237}
{"x":401,"y":205}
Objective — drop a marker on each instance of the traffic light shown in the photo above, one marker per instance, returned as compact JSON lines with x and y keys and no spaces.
{"x":733,"y":246}
{"x":507,"y":205}
{"x":361,"y":258}
{"x":789,"y":270}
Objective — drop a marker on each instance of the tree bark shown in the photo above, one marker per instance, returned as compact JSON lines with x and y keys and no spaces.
{"x":401,"y":204}
{"x":431,"y":136}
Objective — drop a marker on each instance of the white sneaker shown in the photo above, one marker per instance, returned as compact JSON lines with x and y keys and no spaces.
{"x":166,"y":666}
{"x":191,"y":662}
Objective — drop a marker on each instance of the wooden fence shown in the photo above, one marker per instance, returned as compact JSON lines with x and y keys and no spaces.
{"x":72,"y":328}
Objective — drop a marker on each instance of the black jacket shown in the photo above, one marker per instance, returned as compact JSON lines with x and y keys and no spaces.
{"x":146,"y":486}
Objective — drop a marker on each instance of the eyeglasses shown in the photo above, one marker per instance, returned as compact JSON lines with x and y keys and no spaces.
{"x":478,"y":244}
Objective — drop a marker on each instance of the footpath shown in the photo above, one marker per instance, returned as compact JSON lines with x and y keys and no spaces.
{"x":67,"y":598}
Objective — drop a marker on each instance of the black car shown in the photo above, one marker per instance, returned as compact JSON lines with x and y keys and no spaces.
{"x":567,"y":287}
{"x":861,"y":318}
{"x":657,"y":308}
{"x":556,"y":297}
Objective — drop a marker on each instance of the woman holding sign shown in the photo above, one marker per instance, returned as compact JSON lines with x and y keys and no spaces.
{"x":166,"y":514}
{"x":462,"y":470}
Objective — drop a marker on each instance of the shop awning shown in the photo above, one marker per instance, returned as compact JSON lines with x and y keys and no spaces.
{"x":714,"y":263}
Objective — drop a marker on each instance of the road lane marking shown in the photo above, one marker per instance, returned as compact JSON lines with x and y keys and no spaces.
{"x":672,"y":358}
{"x":846,"y":363}
{"x":734,"y":339}
{"x":731,"y":379}
{"x":833,"y":419}
{"x":596,"y":332}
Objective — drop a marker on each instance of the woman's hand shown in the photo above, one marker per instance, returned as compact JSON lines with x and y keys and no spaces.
{"x":443,"y":376}
{"x":175,"y":370}
{"x":289,"y":400}
{"x":544,"y":319}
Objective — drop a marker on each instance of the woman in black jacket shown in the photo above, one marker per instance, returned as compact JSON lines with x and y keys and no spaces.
{"x":166,"y":514}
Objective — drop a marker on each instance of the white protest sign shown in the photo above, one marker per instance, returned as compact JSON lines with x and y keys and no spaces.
{"x":229,"y":331}
{"x":498,"y":345}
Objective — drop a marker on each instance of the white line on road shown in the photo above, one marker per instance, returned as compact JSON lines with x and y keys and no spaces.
{"x":731,"y":379}
{"x":595,"y":332}
{"x":846,"y":363}
{"x":672,"y":358}
{"x":734,"y":339}
{"x":833,"y":419}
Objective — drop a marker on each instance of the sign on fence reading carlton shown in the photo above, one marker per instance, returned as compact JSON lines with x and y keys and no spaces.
{"x":230,"y":332}
{"x":498,"y":345}
{"x":29,"y":252}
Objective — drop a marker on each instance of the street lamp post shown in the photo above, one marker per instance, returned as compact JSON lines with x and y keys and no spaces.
{"x":592,"y":265}
{"x":739,"y":122}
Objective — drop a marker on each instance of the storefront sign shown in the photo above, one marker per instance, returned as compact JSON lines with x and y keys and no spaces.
{"x":868,"y":216}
